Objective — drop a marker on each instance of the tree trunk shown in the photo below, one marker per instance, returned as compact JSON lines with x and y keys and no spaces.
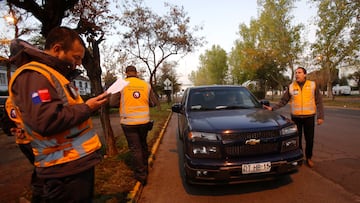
{"x":111,"y":149}
{"x":91,"y":63}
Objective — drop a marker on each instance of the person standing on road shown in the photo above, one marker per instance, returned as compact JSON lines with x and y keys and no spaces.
{"x":305,"y":101}
{"x":134,"y":102}
{"x":65,"y":146}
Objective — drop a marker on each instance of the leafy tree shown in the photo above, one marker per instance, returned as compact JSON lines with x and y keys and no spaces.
{"x":91,"y":19}
{"x":199,"y":77}
{"x":213,"y":67}
{"x":355,"y":76}
{"x":94,"y":20}
{"x":338,"y":36}
{"x":320,"y":77}
{"x":49,"y":13}
{"x":151,"y":39}
{"x":242,"y":57}
{"x":168,"y":72}
{"x":267,"y":47}
{"x":278,"y":34}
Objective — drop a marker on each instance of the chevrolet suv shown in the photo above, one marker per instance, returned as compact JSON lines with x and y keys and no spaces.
{"x":228,"y":137}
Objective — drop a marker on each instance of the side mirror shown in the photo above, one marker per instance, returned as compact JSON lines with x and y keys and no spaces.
{"x":265,"y":102}
{"x":176,"y":108}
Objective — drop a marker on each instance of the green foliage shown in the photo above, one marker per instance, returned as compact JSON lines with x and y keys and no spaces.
{"x":213,"y":67}
{"x":338,"y":36}
{"x":355,"y":76}
{"x":168,"y":72}
{"x":267,"y":47}
{"x":259,"y":94}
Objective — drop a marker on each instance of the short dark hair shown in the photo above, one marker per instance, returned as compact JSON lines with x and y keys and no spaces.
{"x":64,"y":36}
{"x":304,"y":70}
{"x":130,"y":69}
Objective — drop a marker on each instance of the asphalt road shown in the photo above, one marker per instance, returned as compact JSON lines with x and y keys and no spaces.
{"x":335,"y":177}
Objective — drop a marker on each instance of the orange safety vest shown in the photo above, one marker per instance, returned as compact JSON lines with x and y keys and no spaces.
{"x":134,"y":102}
{"x":14,"y":115}
{"x":66,"y":146}
{"x":302,"y":100}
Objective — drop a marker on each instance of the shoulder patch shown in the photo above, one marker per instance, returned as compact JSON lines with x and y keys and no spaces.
{"x":41,"y":96}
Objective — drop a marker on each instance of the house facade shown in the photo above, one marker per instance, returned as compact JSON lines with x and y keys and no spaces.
{"x":81,"y":83}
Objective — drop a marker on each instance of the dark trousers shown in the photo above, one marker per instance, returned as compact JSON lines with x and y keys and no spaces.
{"x":136,"y":138}
{"x":77,"y":188}
{"x":306,"y":126}
{"x":37,"y":184}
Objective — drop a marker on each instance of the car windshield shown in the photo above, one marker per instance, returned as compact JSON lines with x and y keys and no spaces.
{"x":221,"y":98}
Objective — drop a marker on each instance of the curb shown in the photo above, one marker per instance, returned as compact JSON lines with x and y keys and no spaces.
{"x":134,"y":194}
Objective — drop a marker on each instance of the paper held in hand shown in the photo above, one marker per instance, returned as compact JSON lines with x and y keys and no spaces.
{"x":117,"y":86}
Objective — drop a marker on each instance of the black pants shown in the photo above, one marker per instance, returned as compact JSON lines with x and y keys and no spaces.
{"x":78,"y":188}
{"x":136,"y":138}
{"x":306,"y":125}
{"x":37,"y":184}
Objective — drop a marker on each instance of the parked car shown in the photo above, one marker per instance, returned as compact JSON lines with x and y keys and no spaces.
{"x":5,"y":122}
{"x":341,"y":90}
{"x":229,"y":138}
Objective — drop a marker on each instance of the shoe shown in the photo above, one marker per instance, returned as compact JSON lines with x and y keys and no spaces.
{"x":310,"y":163}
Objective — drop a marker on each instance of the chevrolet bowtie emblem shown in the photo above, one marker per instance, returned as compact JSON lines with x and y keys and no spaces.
{"x":252,"y":142}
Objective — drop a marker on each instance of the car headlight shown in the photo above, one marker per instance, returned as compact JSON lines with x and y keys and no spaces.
{"x":289,"y":130}
{"x":201,"y":136}
{"x":204,"y":151}
{"x":290,"y":144}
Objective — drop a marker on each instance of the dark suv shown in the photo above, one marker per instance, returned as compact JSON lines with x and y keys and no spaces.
{"x":5,"y":122}
{"x":229,"y":138}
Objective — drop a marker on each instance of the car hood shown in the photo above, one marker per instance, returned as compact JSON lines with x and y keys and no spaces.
{"x":235,"y":120}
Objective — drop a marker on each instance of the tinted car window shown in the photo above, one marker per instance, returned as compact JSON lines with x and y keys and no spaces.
{"x":222,"y":98}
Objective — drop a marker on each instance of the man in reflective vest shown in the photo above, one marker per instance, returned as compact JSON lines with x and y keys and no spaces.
{"x":65,"y":146}
{"x":305,"y":102}
{"x":134,"y":102}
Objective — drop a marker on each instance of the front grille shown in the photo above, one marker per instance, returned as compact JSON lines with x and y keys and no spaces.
{"x":250,"y":135}
{"x":234,"y":144}
{"x":241,"y":150}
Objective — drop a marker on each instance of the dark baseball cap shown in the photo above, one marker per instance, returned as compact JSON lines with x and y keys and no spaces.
{"x":130,"y":69}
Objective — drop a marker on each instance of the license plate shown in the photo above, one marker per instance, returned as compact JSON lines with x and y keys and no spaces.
{"x":256,"y":167}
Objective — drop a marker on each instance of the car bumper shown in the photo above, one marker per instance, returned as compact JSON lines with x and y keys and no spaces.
{"x":212,"y":172}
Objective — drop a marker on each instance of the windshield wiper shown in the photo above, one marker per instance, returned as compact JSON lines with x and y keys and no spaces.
{"x":201,"y":108}
{"x":232,"y":107}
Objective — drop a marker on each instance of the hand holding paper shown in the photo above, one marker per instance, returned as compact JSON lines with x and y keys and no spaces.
{"x":117,"y":86}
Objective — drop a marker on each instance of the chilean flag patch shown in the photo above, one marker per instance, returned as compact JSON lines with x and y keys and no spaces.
{"x":41,"y":96}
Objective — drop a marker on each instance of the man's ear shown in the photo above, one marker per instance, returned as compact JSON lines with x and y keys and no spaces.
{"x":56,"y":49}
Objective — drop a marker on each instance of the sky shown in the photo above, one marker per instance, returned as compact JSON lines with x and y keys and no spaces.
{"x":221,"y":20}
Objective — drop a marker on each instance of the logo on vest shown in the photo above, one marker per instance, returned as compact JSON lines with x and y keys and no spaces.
{"x":12,"y":113}
{"x":136,"y":95}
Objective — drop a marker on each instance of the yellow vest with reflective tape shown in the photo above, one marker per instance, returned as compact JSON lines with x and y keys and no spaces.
{"x":134,"y":102}
{"x":71,"y":144}
{"x":15,"y":116}
{"x":302,"y":100}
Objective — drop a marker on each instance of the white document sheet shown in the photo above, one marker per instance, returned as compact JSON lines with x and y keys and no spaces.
{"x":117,"y":86}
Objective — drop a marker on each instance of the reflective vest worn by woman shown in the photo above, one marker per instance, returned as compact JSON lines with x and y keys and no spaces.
{"x":134,"y":102}
{"x":302,"y":99}
{"x":69,"y":145}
